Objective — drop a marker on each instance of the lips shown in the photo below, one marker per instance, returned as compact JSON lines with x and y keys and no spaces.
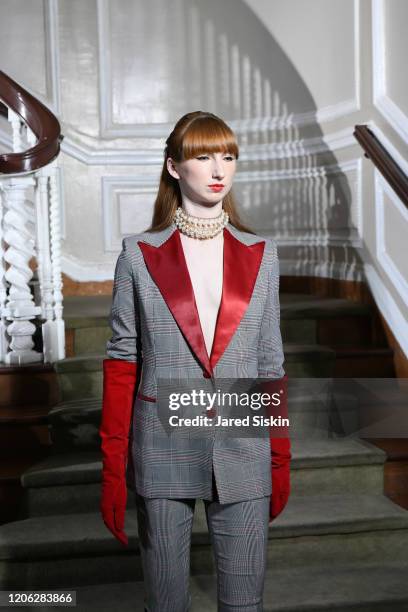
{"x":216,"y":187}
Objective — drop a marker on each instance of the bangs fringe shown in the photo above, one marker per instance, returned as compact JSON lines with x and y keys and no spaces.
{"x":207,"y":135}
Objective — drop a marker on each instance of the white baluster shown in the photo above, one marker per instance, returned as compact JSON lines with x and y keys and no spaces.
{"x":18,"y":232}
{"x":3,"y":286}
{"x":55,"y":222}
{"x":16,"y":127}
{"x":27,"y":231}
{"x":43,"y":241}
{"x":54,"y":328}
{"x":31,"y":138}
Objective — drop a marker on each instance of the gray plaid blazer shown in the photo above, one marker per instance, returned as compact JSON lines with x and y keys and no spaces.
{"x":155,"y":322}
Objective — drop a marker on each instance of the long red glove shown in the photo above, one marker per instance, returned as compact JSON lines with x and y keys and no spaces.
{"x":280,"y":449}
{"x":119,"y":385}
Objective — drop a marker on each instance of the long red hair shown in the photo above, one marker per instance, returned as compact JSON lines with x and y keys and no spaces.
{"x":194,"y":134}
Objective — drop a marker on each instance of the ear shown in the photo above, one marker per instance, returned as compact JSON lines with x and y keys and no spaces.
{"x":172,"y":169}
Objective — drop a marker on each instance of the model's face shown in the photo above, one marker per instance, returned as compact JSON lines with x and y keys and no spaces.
{"x":197,"y":175}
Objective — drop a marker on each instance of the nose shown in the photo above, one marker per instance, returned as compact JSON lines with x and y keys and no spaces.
{"x":218,"y":170}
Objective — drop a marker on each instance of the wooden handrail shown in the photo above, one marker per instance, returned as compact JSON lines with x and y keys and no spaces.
{"x":386,"y":164}
{"x":39,"y":119}
{"x":3,"y":110}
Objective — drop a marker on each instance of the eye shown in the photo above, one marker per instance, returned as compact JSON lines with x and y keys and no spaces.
{"x":231,"y":157}
{"x":202,"y":157}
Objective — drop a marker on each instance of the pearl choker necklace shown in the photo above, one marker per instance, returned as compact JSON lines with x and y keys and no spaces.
{"x":199,"y":227}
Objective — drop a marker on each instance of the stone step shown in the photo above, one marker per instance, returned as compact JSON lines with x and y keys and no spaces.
{"x":74,"y":424}
{"x":304,"y":319}
{"x":307,"y":306}
{"x":362,"y":362}
{"x":326,"y":321}
{"x":313,"y":411}
{"x":324,"y":588}
{"x":308,"y":360}
{"x":58,"y":551}
{"x":81,"y":377}
{"x":70,"y":482}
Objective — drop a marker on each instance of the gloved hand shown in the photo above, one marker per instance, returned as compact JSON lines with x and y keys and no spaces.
{"x":280,"y":448}
{"x":119,"y":386}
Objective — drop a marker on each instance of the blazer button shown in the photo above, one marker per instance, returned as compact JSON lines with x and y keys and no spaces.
{"x":206,"y":374}
{"x":209,"y":413}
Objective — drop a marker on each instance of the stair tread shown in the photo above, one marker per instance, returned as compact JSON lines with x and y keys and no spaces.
{"x":80,"y":533}
{"x":317,"y":350}
{"x":85,"y":311}
{"x":91,"y":362}
{"x":362,"y":351}
{"x":70,"y":468}
{"x":83,"y":405}
{"x":303,"y":307}
{"x":24,"y":414}
{"x":64,"y":468}
{"x":302,"y":589}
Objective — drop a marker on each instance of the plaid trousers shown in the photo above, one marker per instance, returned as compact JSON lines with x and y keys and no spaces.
{"x":239,"y":536}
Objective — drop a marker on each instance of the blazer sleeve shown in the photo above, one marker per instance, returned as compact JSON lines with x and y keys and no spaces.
{"x":124,"y":314}
{"x":270,"y":349}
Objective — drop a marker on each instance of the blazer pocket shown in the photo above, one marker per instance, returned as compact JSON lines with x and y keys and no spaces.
{"x":145,"y":397}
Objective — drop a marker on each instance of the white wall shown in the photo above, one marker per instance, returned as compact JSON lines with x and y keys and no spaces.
{"x":352,"y":58}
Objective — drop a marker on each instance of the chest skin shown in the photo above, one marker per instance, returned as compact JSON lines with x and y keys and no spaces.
{"x":204,"y":259}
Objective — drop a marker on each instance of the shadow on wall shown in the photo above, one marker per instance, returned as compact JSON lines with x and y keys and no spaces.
{"x":168,"y":58}
{"x":160,"y":59}
{"x":218,"y":56}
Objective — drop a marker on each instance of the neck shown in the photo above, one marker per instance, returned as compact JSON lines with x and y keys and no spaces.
{"x":200,"y":210}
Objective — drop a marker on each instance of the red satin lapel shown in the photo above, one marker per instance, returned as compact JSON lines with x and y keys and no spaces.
{"x":241,"y":266}
{"x":168,"y":268}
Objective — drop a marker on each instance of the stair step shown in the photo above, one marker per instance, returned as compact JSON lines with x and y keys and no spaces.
{"x":361,"y":362}
{"x":74,"y":424}
{"x":87,"y":311}
{"x":80,"y":363}
{"x":304,"y":318}
{"x":304,"y":306}
{"x":318,"y":589}
{"x":308,"y":360}
{"x":84,"y":467}
{"x":61,"y":550}
{"x":81,"y":376}
{"x":70,"y":482}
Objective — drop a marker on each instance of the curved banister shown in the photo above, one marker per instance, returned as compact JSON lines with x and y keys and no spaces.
{"x":39,"y":119}
{"x":374,"y":150}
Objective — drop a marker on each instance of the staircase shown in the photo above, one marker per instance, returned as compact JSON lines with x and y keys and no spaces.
{"x":340,"y":543}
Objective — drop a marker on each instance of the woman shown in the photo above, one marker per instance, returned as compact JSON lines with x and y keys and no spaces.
{"x":195,"y":296}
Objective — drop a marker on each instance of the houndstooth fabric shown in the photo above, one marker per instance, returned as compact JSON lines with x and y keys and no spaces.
{"x":239,"y":535}
{"x":144,"y":330}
